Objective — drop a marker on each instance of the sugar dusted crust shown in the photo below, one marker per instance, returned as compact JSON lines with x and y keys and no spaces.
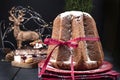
{"x":71,"y":25}
{"x":73,"y":13}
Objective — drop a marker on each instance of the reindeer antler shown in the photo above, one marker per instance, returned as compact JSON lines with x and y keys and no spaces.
{"x":19,"y":18}
{"x":12,"y":17}
{"x":20,"y":15}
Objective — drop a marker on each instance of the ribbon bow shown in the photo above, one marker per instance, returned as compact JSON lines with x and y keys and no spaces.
{"x":70,"y":43}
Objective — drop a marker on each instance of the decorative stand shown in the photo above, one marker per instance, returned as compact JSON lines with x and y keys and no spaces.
{"x":104,"y":72}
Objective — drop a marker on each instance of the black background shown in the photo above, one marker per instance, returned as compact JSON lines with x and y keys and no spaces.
{"x":49,"y":9}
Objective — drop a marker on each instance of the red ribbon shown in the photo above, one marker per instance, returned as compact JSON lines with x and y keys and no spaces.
{"x":51,"y":41}
{"x":70,"y":43}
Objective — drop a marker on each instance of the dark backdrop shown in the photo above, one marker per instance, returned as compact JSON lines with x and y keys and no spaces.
{"x":105,"y":12}
{"x":47,"y":8}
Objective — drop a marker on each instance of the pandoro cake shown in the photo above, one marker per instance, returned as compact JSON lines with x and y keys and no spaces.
{"x":70,"y":25}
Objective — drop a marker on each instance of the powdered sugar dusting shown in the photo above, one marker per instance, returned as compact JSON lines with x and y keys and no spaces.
{"x":73,"y":13}
{"x":65,"y":62}
{"x":87,"y":14}
{"x":52,"y":60}
{"x":88,"y":59}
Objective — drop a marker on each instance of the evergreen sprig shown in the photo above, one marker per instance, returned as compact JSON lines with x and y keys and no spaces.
{"x":80,"y":5}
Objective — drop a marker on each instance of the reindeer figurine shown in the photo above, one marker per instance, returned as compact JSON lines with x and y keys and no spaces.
{"x":20,"y":35}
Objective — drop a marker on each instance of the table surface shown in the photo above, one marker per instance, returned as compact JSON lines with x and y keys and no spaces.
{"x":8,"y":72}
